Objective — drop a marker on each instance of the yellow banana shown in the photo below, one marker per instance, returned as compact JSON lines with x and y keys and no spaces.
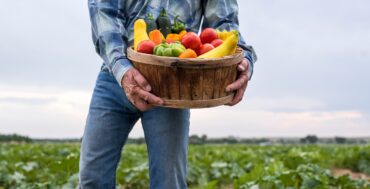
{"x":140,"y":33}
{"x":228,"y":47}
{"x":223,"y":35}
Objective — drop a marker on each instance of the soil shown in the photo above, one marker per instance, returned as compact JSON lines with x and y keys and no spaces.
{"x":353,"y":175}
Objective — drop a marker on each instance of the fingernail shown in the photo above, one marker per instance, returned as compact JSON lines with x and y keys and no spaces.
{"x":148,"y":88}
{"x":241,"y":68}
{"x":227,"y":90}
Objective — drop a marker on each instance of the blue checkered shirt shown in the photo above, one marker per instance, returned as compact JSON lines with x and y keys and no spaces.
{"x":112,"y":24}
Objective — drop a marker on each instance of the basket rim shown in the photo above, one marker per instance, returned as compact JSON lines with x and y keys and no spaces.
{"x":226,"y":61}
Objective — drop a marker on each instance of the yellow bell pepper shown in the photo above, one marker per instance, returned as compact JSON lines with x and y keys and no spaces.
{"x":139,"y":32}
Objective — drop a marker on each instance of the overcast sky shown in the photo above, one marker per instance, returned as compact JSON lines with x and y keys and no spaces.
{"x":312,"y":76}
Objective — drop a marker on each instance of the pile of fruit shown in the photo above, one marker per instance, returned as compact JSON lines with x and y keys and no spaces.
{"x":162,"y":38}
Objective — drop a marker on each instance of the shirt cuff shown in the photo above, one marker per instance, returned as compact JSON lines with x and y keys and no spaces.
{"x":250,"y":69}
{"x":249,"y":56}
{"x":120,"y":68}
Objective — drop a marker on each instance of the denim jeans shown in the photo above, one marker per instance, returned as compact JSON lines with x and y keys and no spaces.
{"x":109,"y":122}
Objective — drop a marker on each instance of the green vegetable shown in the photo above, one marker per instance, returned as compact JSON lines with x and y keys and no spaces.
{"x":177,"y":44}
{"x":177,"y":26}
{"x":164,"y":23}
{"x":177,"y":48}
{"x":243,"y":166}
{"x":150,"y":23}
{"x":167,"y":52}
{"x":158,"y":50}
{"x":171,"y":50}
{"x":177,"y":51}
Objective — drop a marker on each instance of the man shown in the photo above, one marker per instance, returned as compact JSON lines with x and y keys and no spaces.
{"x":122,"y":95}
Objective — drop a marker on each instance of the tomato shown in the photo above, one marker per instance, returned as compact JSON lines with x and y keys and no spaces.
{"x":205,"y":48}
{"x":146,"y":46}
{"x":191,"y":40}
{"x":208,"y":35}
{"x":217,"y":42}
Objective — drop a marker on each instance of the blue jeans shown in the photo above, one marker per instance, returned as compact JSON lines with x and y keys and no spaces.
{"x":109,"y":122}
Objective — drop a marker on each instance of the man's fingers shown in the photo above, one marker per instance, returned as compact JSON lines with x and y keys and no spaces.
{"x":239,"y":83}
{"x":149,"y":97}
{"x":139,"y":103}
{"x":237,"y":98}
{"x":238,"y":95}
{"x":142,"y":105}
{"x":243,"y":66}
{"x":243,"y":78}
{"x":142,"y":81}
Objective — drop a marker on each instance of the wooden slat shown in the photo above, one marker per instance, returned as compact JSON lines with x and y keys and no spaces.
{"x":197,"y":103}
{"x":224,"y":81}
{"x":218,"y":83}
{"x":232,"y":74}
{"x":173,"y":84}
{"x":184,"y":82}
{"x":196,"y":84}
{"x":232,"y":77}
{"x":208,"y":83}
{"x":162,"y":79}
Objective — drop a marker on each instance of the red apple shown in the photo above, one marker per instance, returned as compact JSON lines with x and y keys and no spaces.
{"x":146,"y":46}
{"x":191,"y":40}
{"x":205,"y":48}
{"x":208,"y":35}
{"x":217,"y":42}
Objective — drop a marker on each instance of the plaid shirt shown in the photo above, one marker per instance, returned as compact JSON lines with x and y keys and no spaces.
{"x":112,"y":24}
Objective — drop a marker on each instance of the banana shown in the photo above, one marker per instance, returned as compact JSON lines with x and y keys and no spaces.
{"x":223,"y":35}
{"x":228,"y":47}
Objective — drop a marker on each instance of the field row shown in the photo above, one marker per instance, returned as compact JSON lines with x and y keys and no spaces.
{"x":210,"y":166}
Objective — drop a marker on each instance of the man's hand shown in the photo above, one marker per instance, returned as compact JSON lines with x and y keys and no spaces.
{"x":240,"y":85}
{"x":138,"y":90}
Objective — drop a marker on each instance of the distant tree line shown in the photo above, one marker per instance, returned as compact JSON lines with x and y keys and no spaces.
{"x":14,"y":138}
{"x":203,"y":139}
{"x":309,"y":139}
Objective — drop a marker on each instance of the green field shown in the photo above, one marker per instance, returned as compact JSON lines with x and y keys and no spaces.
{"x":50,"y":165}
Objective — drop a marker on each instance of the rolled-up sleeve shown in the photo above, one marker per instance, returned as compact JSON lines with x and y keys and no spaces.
{"x":223,"y":15}
{"x":110,"y":35}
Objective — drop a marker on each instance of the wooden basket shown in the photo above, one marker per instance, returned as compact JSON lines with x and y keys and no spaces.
{"x":188,"y":83}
